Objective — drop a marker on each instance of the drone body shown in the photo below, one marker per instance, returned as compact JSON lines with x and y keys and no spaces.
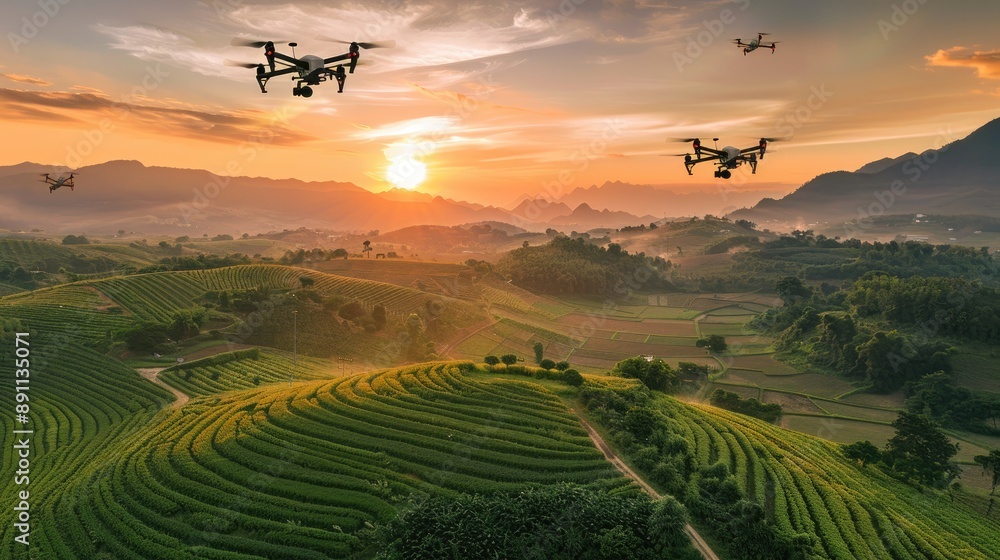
{"x":727,"y":158}
{"x":755,"y":44}
{"x":58,"y":182}
{"x":309,"y":70}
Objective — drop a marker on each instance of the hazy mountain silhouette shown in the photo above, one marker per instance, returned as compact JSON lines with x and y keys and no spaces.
{"x":962,"y":177}
{"x":584,"y":217}
{"x":662,"y":200}
{"x":885,"y":163}
{"x":540,"y":210}
{"x":161,"y":200}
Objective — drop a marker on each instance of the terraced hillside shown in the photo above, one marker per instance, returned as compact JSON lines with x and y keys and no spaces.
{"x":807,"y":486}
{"x":299,"y":472}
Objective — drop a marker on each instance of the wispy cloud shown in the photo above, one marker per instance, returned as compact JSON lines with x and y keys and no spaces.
{"x":985,"y":63}
{"x":168,"y":117}
{"x":27,"y":79}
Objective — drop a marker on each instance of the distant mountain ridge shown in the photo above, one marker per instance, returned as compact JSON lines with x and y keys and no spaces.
{"x":168,"y":201}
{"x":960,"y":178}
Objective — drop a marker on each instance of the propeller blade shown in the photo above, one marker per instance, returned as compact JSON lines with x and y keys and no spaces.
{"x":674,"y":155}
{"x":239,"y":42}
{"x":763,"y":33}
{"x":774,"y":139}
{"x":681,"y":139}
{"x":370,"y":45}
{"x":228,"y":62}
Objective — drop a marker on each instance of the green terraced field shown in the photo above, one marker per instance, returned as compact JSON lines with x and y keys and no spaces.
{"x":297,"y":472}
{"x":807,"y":486}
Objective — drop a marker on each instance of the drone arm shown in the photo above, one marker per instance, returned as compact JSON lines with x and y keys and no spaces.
{"x":712,"y":151}
{"x":263,"y":78}
{"x":291,"y":61}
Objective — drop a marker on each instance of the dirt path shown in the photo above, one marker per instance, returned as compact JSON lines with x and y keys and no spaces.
{"x":699,"y":543}
{"x":153,"y":374}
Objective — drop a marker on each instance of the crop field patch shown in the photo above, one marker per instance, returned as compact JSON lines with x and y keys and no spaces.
{"x":741,"y":390}
{"x":629,"y":336}
{"x":672,"y":340}
{"x":838,"y":430}
{"x":792,"y":403}
{"x":981,"y":373}
{"x":627,"y":349}
{"x":891,"y":400}
{"x":765,"y":363}
{"x":723,"y":329}
{"x":806,"y":383}
{"x":863,"y":413}
{"x":650,"y":326}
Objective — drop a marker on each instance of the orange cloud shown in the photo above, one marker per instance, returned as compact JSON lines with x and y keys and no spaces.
{"x":986,"y":63}
{"x":26,"y":79}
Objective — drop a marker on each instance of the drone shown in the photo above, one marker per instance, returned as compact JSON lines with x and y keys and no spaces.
{"x":308,"y":70}
{"x":725,"y":159}
{"x":58,"y":183}
{"x":754,"y":44}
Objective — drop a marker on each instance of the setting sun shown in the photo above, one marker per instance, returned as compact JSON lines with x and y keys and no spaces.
{"x":406,"y":172}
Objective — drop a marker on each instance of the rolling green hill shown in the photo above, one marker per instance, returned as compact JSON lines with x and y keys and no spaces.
{"x":298,"y":472}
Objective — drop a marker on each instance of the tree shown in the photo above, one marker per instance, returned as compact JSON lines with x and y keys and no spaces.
{"x":715,"y":343}
{"x":863,"y":452}
{"x":75,"y":240}
{"x":508,"y":359}
{"x":306,"y":281}
{"x":562,"y":366}
{"x":547,"y":364}
{"x":379,"y":316}
{"x":572,"y":378}
{"x":655,"y":374}
{"x":491,"y":360}
{"x":919,"y":450}
{"x":351,"y":310}
{"x":539,"y":352}
{"x":339,"y":254}
{"x":368,"y":248}
{"x":789,"y":288}
{"x":991,"y":466}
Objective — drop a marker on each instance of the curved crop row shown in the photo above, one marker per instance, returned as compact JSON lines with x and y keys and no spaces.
{"x":299,"y":472}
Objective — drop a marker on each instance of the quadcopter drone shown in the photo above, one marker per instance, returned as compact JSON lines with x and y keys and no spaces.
{"x":58,"y":183}
{"x":754,"y":44}
{"x":308,"y":70}
{"x":725,"y":159}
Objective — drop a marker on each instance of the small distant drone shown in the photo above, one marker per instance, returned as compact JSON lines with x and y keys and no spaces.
{"x":755,"y":44}
{"x":310,"y":70}
{"x":725,"y":159}
{"x":59,"y":182}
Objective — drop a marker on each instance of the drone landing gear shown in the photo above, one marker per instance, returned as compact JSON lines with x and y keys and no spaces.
{"x":303,"y":91}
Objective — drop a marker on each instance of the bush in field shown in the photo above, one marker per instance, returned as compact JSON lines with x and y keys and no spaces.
{"x":547,"y":364}
{"x":508,"y":359}
{"x":572,"y":378}
{"x":655,"y":374}
{"x":715,"y":343}
{"x":491,"y":360}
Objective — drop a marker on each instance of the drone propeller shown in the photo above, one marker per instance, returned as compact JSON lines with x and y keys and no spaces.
{"x":241,"y":42}
{"x":228,"y":62}
{"x":373,"y":45}
{"x":685,"y":140}
{"x":763,"y":33}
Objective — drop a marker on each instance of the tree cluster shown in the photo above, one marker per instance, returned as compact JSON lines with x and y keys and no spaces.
{"x":562,"y":522}
{"x":769,"y":412}
{"x":567,"y":266}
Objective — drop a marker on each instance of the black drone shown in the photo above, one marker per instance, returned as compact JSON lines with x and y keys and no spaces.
{"x":725,"y":159}
{"x":308,"y":70}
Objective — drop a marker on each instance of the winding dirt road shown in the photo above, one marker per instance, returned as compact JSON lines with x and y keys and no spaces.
{"x":696,"y":539}
{"x":153,"y":374}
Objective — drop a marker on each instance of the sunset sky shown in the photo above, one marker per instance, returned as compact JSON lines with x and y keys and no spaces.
{"x":497,"y":99}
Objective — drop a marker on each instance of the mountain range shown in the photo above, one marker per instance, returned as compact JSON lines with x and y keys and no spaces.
{"x":958,"y":178}
{"x":161,"y":200}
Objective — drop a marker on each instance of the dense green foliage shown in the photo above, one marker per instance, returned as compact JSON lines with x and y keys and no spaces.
{"x":938,"y":396}
{"x":655,"y":374}
{"x":920,"y":451}
{"x":562,"y":522}
{"x":568,"y":266}
{"x":768,"y":493}
{"x":751,"y":407}
{"x":715,"y":343}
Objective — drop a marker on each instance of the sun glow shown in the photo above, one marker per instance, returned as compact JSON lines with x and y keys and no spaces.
{"x":406,"y":172}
